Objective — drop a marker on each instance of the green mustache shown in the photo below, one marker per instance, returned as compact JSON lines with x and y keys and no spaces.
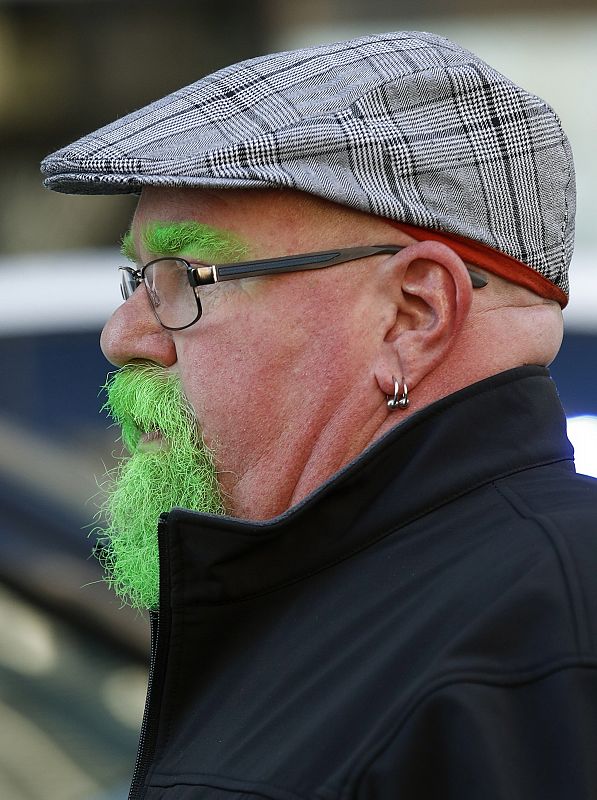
{"x":146,"y":399}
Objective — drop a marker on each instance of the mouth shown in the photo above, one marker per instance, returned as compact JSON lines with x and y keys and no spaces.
{"x":151,"y":442}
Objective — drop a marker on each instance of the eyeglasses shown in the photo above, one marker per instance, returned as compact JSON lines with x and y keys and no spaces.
{"x":172,"y":283}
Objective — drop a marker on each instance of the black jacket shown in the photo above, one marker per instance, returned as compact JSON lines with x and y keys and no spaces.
{"x":423,"y":626}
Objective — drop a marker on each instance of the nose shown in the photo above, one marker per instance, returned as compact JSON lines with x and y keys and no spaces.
{"x":133,"y":332}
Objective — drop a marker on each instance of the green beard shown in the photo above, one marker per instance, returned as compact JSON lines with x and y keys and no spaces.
{"x":176,"y":470}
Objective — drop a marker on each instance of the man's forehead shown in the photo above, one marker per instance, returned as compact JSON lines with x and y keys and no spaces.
{"x":182,"y":237}
{"x":219,"y":226}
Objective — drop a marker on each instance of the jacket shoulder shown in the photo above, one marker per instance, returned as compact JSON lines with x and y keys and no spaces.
{"x":557,"y":508}
{"x":556,"y":498}
{"x":531,"y":737}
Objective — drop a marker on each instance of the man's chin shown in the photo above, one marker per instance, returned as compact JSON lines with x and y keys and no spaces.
{"x":169,"y":466}
{"x":155,"y":479}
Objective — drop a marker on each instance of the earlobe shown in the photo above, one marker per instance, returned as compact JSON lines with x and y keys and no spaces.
{"x":432,"y":294}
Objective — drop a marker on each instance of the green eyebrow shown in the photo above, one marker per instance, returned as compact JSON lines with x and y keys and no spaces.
{"x":188,"y":238}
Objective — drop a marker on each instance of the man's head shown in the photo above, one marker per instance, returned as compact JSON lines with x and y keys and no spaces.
{"x":403,"y":139}
{"x":288,"y":374}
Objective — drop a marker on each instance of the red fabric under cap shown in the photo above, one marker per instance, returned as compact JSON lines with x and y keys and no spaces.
{"x":489,"y":259}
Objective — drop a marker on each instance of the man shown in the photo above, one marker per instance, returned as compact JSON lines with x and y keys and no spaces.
{"x":380,"y":583}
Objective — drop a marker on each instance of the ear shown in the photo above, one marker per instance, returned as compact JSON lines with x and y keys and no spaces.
{"x":431,"y":292}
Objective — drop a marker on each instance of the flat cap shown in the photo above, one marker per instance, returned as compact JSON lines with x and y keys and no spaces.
{"x":407,"y":125}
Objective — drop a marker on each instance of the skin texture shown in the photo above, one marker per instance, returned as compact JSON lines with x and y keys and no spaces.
{"x":288,"y":375}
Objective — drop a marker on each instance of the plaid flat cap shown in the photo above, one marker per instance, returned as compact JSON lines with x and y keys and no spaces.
{"x":408,"y":126}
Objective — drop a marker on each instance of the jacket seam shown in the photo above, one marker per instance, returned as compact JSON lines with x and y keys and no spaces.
{"x":215,"y":781}
{"x":563,"y":556}
{"x":447,"y":680}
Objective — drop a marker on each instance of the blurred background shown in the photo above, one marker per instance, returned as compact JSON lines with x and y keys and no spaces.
{"x":73,"y":664}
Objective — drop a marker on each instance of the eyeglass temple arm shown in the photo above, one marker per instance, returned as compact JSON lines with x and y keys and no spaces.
{"x":327,"y":258}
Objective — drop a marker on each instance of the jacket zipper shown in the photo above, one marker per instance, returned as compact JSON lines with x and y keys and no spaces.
{"x":159,"y":637}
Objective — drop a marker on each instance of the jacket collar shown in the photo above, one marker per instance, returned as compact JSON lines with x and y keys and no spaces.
{"x":493,"y":428}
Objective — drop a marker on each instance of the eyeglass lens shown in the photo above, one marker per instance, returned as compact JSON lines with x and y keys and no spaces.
{"x":172,"y":296}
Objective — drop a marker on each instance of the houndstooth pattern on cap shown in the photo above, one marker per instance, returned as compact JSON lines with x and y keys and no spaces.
{"x":405,"y":125}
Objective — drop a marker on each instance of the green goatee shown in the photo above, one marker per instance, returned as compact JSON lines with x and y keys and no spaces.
{"x":169,"y":466}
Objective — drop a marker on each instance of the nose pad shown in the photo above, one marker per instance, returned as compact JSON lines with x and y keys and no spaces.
{"x":154,"y":297}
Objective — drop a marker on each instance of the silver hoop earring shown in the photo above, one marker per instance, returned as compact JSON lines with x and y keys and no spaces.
{"x":400,"y":398}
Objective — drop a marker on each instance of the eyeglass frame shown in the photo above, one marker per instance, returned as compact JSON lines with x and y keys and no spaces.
{"x":202,"y":274}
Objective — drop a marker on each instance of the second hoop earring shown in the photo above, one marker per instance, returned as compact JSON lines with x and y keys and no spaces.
{"x":400,"y":397}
